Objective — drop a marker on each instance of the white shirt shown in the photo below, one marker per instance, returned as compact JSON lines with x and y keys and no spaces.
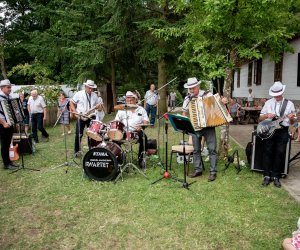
{"x":201,"y":94}
{"x":135,"y":118}
{"x":151,"y":97}
{"x":172,"y":96}
{"x":84,"y":101}
{"x":273,"y":107}
{"x":37,"y":105}
{"x":250,"y":97}
{"x":3,"y":97}
{"x":100,"y":114}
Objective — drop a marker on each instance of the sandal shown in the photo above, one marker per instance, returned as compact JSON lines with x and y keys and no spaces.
{"x":297,"y":140}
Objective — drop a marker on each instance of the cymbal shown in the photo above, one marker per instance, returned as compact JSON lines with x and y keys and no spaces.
{"x":125,"y":107}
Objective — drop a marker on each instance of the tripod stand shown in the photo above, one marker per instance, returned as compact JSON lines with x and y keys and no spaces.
{"x":230,"y":159}
{"x":21,"y":147}
{"x":166,"y":174}
{"x":129,"y":162}
{"x":67,"y":163}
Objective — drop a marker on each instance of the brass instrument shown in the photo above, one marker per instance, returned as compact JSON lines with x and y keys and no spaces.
{"x":208,"y":112}
{"x":88,"y":114}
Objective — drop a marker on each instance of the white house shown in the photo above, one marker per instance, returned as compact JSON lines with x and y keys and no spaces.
{"x":260,"y":74}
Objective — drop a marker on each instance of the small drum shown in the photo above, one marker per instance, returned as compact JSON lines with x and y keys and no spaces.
{"x":116,"y":131}
{"x":96,"y":130}
{"x":131,"y":136}
{"x":102,"y":163}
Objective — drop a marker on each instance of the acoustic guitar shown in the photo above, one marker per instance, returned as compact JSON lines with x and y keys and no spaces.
{"x":13,"y":152}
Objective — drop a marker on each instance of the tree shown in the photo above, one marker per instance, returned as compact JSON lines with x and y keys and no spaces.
{"x":219,"y":34}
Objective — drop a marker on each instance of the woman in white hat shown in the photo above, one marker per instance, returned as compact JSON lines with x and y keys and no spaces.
{"x":209,"y":133}
{"x":275,"y":146}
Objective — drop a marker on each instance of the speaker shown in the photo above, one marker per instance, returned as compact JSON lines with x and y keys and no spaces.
{"x":25,"y":143}
{"x":258,"y":152}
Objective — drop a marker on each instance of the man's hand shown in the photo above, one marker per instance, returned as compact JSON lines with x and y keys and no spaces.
{"x":6,"y":125}
{"x":270,"y":116}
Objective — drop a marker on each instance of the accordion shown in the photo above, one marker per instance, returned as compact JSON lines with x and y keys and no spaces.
{"x":208,"y":112}
{"x":12,"y":110}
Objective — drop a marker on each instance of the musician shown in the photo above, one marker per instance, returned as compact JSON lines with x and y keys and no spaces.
{"x":135,"y":119}
{"x":6,"y":131}
{"x":38,"y":114}
{"x":151,"y":102}
{"x":83,"y":102}
{"x":208,"y":133}
{"x":274,"y":155}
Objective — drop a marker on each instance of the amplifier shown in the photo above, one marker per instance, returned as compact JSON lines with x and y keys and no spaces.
{"x":25,"y":143}
{"x":258,"y":154}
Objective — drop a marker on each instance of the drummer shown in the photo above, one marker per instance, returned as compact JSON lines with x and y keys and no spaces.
{"x":136,"y":118}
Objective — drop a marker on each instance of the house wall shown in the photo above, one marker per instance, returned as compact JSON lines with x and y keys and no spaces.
{"x":289,"y":76}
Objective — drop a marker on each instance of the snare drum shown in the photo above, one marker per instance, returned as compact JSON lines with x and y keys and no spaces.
{"x":116,"y":130}
{"x":131,"y":136}
{"x":102,"y":163}
{"x":96,"y":130}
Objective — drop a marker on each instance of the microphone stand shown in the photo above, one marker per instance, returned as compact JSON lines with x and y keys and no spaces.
{"x":166,"y":174}
{"x":230,"y":159}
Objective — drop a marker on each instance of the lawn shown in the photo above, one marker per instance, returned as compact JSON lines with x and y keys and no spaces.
{"x":55,"y":209}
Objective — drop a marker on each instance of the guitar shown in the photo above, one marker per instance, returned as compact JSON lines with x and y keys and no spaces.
{"x":266,"y":128}
{"x":13,"y":152}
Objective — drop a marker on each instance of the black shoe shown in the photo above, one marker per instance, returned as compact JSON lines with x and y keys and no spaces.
{"x":266,"y":181}
{"x":195,"y":174}
{"x":45,"y":139}
{"x":212,"y":177}
{"x":276,"y":182}
{"x":10,"y":166}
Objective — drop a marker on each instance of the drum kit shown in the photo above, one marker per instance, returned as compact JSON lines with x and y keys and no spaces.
{"x":111,"y":152}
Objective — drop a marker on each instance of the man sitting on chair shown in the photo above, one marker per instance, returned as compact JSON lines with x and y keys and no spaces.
{"x":133,"y":120}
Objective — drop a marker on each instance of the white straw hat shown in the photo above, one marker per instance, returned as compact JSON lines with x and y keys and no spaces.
{"x":277,"y":89}
{"x":192,"y":82}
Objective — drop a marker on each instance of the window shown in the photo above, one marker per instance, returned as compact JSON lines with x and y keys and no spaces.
{"x":257,"y":71}
{"x":250,"y":65}
{"x":238,"y":80}
{"x":298,"y":71}
{"x":278,"y":70}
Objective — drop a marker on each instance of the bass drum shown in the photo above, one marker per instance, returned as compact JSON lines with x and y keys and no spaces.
{"x":102,"y":163}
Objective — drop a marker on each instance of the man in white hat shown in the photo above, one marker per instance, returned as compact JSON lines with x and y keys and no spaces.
{"x":133,"y":120}
{"x":209,"y":133}
{"x":274,"y":147}
{"x":82,"y":102}
{"x":6,"y":131}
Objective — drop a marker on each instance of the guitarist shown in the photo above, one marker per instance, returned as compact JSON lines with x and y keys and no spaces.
{"x":6,"y":131}
{"x":82,"y":102}
{"x":274,"y":155}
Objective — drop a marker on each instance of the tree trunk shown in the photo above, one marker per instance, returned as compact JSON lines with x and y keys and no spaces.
{"x":113,"y":80}
{"x":3,"y":69}
{"x":162,"y":80}
{"x":227,"y":89}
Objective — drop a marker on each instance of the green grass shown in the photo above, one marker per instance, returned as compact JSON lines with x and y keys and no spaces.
{"x":52,"y":209}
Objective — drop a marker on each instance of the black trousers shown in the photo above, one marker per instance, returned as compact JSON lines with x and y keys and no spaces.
{"x":37,"y":123}
{"x":5,"y":137}
{"x":80,"y":125}
{"x":274,"y":155}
